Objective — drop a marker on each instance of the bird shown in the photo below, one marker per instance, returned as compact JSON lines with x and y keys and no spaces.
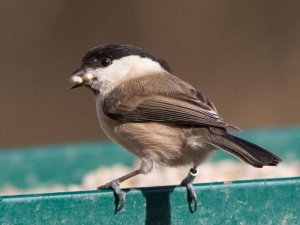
{"x":157,"y":116}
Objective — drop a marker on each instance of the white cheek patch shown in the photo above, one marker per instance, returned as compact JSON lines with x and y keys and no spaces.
{"x":128,"y":66}
{"x":103,"y":75}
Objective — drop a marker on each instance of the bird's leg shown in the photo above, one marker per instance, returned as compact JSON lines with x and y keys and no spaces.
{"x":188,"y":182}
{"x":115,"y":186}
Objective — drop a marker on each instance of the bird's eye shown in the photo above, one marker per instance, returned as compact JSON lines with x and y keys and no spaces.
{"x":104,"y":62}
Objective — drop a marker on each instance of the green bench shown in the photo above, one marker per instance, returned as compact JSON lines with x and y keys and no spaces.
{"x":270,"y":201}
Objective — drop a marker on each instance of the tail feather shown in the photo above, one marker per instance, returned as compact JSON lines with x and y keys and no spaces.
{"x":248,"y":152}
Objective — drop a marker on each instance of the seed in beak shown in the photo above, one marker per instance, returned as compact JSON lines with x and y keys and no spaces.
{"x":87,"y":77}
{"x":76,"y":80}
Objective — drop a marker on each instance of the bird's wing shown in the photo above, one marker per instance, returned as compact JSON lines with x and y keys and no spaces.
{"x":161,"y":98}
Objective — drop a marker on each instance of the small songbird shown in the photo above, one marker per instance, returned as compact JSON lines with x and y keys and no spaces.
{"x":157,"y":116}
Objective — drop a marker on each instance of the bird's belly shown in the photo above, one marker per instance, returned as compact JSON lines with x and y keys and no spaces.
{"x":158,"y":143}
{"x":154,"y":143}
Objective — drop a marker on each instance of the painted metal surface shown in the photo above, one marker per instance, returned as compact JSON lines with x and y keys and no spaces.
{"x":272,"y":201}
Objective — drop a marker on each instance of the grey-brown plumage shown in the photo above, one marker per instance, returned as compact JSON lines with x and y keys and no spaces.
{"x":157,"y":116}
{"x":165,"y":99}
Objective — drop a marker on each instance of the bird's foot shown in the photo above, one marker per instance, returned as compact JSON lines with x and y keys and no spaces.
{"x":119,"y":194}
{"x":191,"y":194}
{"x":192,"y":197}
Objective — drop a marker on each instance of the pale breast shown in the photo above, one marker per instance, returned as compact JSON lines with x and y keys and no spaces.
{"x":153,"y":142}
{"x":106,"y":124}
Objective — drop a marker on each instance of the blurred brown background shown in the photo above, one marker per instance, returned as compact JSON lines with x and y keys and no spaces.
{"x":244,"y":55}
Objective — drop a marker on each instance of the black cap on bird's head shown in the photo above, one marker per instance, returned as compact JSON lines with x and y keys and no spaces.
{"x":103,"y":56}
{"x":116,"y":51}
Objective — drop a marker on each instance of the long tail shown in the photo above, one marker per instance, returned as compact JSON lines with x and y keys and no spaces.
{"x":246,"y":151}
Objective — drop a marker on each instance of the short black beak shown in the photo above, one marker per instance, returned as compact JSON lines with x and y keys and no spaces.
{"x":79,"y":72}
{"x":75,"y":86}
{"x":76,"y":78}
